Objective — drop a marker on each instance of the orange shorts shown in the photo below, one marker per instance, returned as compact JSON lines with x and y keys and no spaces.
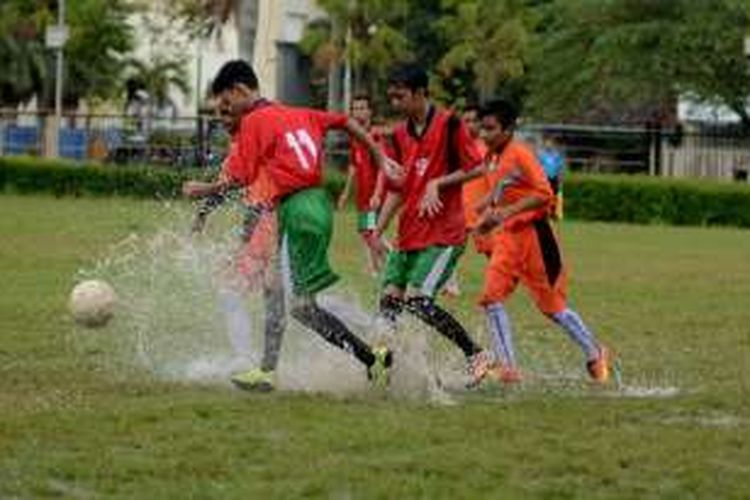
{"x":531,"y":255}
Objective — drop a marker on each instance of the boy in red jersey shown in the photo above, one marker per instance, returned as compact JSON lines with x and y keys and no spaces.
{"x":287,"y":143}
{"x":524,"y":247}
{"x":438,"y":155}
{"x":363,"y":170}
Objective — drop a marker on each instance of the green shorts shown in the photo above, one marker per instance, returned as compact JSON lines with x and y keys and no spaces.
{"x":367,"y":221}
{"x":305,"y":229}
{"x":426,"y":270}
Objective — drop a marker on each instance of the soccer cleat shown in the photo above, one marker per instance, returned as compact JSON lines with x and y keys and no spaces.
{"x":379,"y":372}
{"x":480,"y":365}
{"x":255,"y":380}
{"x":598,"y":367}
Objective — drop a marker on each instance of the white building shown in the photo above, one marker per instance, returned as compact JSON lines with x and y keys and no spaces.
{"x":263,"y":32}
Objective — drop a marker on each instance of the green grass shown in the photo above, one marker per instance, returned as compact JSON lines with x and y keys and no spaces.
{"x":672,"y":301}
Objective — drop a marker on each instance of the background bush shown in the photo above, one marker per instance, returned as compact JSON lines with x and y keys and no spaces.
{"x":637,"y":199}
{"x":648,"y":200}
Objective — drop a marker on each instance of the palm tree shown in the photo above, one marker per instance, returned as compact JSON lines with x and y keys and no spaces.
{"x":151,"y":83}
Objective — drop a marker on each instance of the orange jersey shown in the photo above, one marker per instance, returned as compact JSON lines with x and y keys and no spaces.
{"x":519,"y":160}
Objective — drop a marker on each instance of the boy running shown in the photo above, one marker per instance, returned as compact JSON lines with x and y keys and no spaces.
{"x":256,"y":262}
{"x":287,"y":143}
{"x":525,"y":248}
{"x":438,"y":155}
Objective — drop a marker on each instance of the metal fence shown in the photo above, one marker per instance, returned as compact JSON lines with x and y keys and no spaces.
{"x":716,"y":152}
{"x":720,"y":152}
{"x":118,"y":139}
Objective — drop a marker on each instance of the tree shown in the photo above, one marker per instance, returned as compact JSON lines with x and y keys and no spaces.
{"x":487,"y":45}
{"x":630,"y":59}
{"x":364,"y":31}
{"x":22,"y":54}
{"x":150,"y":83}
{"x":99,"y":38}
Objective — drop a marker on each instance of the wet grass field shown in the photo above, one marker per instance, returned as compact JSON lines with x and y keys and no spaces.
{"x":79,"y":421}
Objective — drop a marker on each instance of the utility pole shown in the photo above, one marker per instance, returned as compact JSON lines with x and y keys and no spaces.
{"x":55,"y":38}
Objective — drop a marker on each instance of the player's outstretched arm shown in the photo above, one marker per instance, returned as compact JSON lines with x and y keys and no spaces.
{"x":430,"y":205}
{"x":393,"y":170}
{"x":496,"y":194}
{"x":493,"y":218}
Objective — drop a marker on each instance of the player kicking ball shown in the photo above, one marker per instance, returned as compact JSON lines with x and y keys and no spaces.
{"x":287,"y":144}
{"x":525,"y":248}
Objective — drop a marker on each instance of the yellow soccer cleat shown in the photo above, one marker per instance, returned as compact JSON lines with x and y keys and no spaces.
{"x":379,"y":372}
{"x":255,"y":380}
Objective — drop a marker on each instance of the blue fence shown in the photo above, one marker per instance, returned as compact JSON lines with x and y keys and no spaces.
{"x":117,"y":139}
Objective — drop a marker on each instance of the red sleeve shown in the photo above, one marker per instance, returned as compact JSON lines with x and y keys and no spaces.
{"x":469,"y":155}
{"x":244,"y":163}
{"x":327,"y":119}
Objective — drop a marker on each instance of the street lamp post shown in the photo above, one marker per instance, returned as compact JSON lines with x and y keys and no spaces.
{"x":56,"y":36}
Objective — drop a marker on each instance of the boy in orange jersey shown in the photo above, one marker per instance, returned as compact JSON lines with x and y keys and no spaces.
{"x":255,"y":263}
{"x":525,"y":248}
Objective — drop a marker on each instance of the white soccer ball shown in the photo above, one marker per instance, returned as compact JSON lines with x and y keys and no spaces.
{"x":92,"y":303}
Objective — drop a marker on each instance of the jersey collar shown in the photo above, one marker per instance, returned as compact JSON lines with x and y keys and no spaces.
{"x":412,"y":128}
{"x":255,"y":105}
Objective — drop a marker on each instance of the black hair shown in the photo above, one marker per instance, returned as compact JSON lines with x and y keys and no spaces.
{"x":471,"y":106}
{"x":363,"y":96}
{"x":505,"y":112}
{"x":234,"y":73}
{"x":409,"y":75}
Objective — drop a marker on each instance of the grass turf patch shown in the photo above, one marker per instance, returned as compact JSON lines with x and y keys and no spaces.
{"x":670,"y":300}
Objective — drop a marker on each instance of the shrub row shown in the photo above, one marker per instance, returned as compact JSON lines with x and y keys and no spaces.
{"x":647,"y":200}
{"x":634,"y":199}
{"x":66,"y":178}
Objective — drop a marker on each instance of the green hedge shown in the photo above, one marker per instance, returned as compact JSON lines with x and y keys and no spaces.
{"x":64,"y":178}
{"x":648,"y":200}
{"x":637,"y":199}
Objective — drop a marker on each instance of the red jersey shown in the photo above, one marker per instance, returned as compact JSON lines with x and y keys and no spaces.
{"x":532,"y":181}
{"x":443,"y":147}
{"x":365,"y":169}
{"x":261,"y":191}
{"x":284,"y":141}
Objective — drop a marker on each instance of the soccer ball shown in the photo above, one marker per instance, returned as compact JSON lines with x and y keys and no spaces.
{"x":92,"y":303}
